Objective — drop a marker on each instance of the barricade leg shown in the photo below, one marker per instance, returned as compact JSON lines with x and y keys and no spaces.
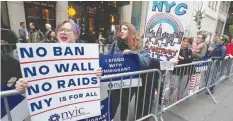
{"x":7,"y":109}
{"x":148,"y":116}
{"x":211,"y":95}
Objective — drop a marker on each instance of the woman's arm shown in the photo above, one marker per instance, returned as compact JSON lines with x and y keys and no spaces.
{"x":144,"y":57}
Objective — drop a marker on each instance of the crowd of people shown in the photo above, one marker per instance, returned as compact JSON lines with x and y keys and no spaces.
{"x":34,"y":35}
{"x":126,"y":41}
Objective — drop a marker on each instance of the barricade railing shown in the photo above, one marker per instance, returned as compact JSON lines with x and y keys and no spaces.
{"x":189,"y":79}
{"x":143,"y":88}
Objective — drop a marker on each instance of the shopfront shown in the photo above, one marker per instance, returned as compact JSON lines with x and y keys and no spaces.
{"x":94,"y":17}
{"x":40,"y":13}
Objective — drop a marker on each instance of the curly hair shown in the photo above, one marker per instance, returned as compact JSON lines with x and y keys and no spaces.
{"x":134,"y":41}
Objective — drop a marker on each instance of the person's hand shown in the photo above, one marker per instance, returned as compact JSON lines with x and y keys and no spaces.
{"x":21,"y":85}
{"x":227,"y":57}
{"x":3,"y":42}
{"x":126,"y":52}
{"x":181,"y":58}
{"x":98,"y":73}
{"x":176,"y":62}
{"x":230,"y":56}
{"x":210,"y":49}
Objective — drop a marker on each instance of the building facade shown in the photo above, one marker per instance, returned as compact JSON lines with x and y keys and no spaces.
{"x":14,"y":12}
{"x":215,"y":15}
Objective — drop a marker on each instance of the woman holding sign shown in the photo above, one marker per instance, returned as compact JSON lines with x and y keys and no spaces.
{"x":65,"y":34}
{"x":128,"y":43}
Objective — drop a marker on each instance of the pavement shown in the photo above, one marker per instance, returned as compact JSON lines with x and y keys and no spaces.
{"x":201,"y":107}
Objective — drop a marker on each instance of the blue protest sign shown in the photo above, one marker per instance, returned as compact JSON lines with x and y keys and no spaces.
{"x":118,"y":63}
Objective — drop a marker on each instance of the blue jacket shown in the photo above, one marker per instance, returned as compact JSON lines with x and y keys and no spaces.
{"x":144,"y":57}
{"x":219,"y":52}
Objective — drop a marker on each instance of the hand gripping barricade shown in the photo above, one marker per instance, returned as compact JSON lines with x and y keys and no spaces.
{"x":147,"y":84}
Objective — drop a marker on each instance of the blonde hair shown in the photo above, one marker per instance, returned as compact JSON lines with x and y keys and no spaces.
{"x":134,"y":41}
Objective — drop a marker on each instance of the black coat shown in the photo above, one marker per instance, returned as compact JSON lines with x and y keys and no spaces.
{"x":188,"y":58}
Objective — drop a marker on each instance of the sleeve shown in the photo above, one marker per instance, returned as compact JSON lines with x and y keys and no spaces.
{"x":42,"y":37}
{"x":223,"y":54}
{"x":30,"y":37}
{"x":201,"y":54}
{"x":22,"y":34}
{"x":144,"y":57}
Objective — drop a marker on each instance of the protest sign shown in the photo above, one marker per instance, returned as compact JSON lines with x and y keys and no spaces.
{"x":115,"y":64}
{"x":118,"y":63}
{"x":164,"y":28}
{"x":62,"y":81}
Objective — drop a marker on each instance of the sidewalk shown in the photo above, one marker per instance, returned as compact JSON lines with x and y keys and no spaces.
{"x":202,"y":108}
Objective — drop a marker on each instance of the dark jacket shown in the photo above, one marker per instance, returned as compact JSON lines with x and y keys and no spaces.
{"x":187,"y":54}
{"x":46,"y":34}
{"x":10,"y":68}
{"x":188,"y":58}
{"x":51,"y":41}
{"x":11,"y":38}
{"x":219,"y":52}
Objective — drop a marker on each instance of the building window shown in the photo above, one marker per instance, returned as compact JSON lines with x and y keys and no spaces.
{"x":40,"y":13}
{"x":215,"y":8}
{"x":5,"y":23}
{"x":212,"y":6}
{"x":222,"y":5}
{"x":220,"y":27}
{"x":209,"y":3}
{"x":226,"y":8}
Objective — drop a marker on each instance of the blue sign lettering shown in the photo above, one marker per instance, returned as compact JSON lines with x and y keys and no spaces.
{"x":158,"y":5}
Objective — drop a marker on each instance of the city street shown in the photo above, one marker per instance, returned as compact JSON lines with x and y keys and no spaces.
{"x":203,"y":108}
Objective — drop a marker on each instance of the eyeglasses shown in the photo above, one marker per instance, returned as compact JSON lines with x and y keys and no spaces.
{"x":68,"y":31}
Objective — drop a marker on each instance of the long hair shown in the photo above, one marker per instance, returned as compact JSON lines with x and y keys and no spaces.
{"x":134,"y":41}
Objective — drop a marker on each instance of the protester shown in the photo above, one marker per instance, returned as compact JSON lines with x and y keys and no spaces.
{"x":229,"y":47}
{"x":111,"y":38}
{"x":128,"y":43}
{"x":180,"y":77}
{"x":35,"y":35}
{"x":218,"y":53}
{"x":8,"y":40}
{"x":23,"y":33}
{"x":10,"y":67}
{"x":199,"y":48}
{"x":214,"y":44}
{"x":51,"y":37}
{"x":65,"y":34}
{"x":48,"y":29}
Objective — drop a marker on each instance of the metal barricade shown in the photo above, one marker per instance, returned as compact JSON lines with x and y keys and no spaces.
{"x":147,"y":84}
{"x":220,"y":71}
{"x":103,"y":48}
{"x":183,"y":82}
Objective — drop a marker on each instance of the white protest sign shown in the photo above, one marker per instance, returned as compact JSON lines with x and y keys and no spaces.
{"x":62,"y":81}
{"x":164,"y":28}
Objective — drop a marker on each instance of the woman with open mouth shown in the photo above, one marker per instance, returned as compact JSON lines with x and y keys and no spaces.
{"x":66,"y":33}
